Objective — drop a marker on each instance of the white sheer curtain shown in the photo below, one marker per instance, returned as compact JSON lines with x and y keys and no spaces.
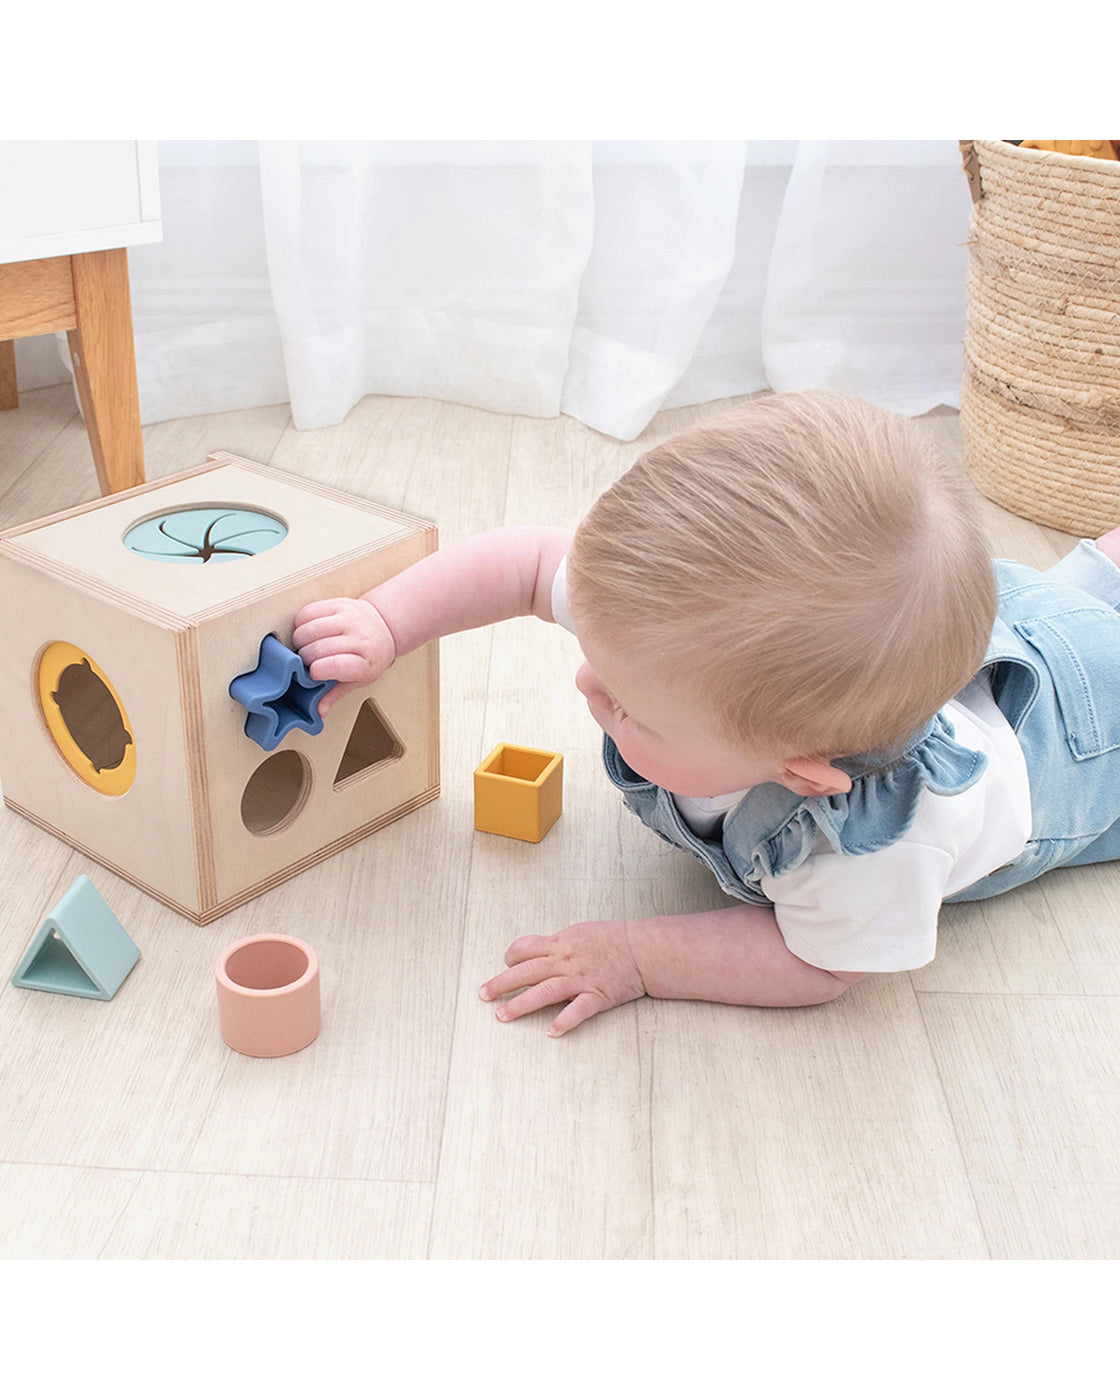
{"x":604,"y":280}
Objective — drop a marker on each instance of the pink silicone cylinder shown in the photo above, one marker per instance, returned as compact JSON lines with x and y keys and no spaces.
{"x":268,"y":995}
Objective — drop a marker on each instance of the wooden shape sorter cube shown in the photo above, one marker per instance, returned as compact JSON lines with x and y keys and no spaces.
{"x":124,"y":623}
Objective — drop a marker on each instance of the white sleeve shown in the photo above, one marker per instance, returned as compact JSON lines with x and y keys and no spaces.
{"x":869,"y":913}
{"x":560,"y":611}
{"x":878,"y":912}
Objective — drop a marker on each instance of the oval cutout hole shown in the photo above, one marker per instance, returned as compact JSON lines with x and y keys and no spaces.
{"x":275,"y":794}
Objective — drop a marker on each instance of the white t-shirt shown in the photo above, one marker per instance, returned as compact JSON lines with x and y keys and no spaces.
{"x":878,"y":912}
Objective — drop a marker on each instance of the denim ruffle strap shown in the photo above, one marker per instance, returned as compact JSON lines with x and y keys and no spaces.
{"x":773,"y":830}
{"x":880,"y":807}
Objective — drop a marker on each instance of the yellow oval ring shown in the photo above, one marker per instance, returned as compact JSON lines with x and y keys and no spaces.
{"x":112,"y":782}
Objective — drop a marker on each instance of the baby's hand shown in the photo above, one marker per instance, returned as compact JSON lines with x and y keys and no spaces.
{"x":344,"y":640}
{"x":590,"y":966}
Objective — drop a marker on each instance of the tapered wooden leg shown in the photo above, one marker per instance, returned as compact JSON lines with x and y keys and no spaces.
{"x":9,"y":393}
{"x":104,"y":357}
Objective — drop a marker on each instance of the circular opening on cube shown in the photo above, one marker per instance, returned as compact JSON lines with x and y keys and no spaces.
{"x":275,"y":794}
{"x":86,"y":719}
{"x":266,"y":964}
{"x":215,"y":534}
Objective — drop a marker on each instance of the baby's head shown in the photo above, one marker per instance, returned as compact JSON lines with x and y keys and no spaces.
{"x":810,"y":568}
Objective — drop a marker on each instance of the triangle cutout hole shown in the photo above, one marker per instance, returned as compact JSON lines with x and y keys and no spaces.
{"x":372,"y":743}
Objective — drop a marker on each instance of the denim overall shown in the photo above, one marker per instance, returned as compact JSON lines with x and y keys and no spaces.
{"x":1055,"y":649}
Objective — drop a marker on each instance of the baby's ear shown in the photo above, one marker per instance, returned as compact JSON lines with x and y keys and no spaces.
{"x":813,"y":777}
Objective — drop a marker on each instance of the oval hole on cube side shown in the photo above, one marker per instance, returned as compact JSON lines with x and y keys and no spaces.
{"x":274,"y":796}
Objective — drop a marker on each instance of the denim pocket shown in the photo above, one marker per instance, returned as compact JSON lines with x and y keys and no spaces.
{"x":1081,"y":649}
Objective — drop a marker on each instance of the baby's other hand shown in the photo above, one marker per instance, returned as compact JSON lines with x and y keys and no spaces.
{"x":344,"y":640}
{"x":590,"y":966}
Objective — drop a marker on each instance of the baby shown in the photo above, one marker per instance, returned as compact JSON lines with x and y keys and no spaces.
{"x":809,"y":675}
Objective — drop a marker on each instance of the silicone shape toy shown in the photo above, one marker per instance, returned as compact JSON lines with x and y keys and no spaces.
{"x":118,"y":732}
{"x":81,"y":949}
{"x":518,"y":792}
{"x":279,"y":695}
{"x":268,"y":995}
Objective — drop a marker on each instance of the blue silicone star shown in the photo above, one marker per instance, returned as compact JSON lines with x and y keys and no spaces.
{"x":279,"y":695}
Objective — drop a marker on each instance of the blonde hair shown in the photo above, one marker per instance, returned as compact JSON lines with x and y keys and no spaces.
{"x":812,"y":566}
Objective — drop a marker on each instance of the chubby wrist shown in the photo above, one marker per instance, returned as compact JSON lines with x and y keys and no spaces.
{"x":380,"y":630}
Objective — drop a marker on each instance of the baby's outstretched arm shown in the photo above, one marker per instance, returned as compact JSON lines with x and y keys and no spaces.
{"x":734,"y":955}
{"x":485,"y":578}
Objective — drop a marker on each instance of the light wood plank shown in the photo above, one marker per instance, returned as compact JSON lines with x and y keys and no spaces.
{"x":177,"y":444}
{"x":53,"y":1212}
{"x":49,"y":1212}
{"x":817,"y":1133}
{"x":1034,"y":1085}
{"x":46,"y":418}
{"x":245,"y":1217}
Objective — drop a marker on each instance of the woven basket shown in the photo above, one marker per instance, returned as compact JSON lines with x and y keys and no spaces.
{"x":1040,"y":397}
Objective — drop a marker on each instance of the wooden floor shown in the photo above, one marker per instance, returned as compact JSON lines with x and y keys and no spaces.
{"x":967,"y":1111}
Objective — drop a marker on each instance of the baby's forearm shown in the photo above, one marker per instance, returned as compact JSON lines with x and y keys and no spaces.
{"x":731,"y":955}
{"x":734,"y":955}
{"x":483,"y":579}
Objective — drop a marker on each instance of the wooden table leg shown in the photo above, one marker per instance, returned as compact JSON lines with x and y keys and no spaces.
{"x":101,"y":347}
{"x":9,"y":393}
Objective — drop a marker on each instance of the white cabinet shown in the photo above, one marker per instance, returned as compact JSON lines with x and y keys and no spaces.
{"x":60,"y":197}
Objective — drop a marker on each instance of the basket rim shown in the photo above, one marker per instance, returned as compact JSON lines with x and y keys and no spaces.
{"x":1090,"y":163}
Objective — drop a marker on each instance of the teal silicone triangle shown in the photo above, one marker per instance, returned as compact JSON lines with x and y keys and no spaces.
{"x":81,"y":950}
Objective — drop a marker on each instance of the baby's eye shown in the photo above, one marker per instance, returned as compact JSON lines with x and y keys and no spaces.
{"x":622,"y":714}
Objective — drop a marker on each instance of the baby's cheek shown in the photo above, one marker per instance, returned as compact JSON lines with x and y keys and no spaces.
{"x":634,"y":752}
{"x":601,"y":714}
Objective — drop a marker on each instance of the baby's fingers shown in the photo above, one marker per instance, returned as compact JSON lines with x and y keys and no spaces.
{"x":514,"y":979}
{"x":312,"y":612}
{"x":532,"y":945}
{"x":328,"y":701}
{"x":312,"y":651}
{"x":318,"y":631}
{"x":546,"y":993}
{"x":340,"y":666}
{"x":586,"y":1005}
